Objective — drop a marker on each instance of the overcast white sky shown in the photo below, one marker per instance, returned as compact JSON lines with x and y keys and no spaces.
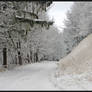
{"x":58,"y":12}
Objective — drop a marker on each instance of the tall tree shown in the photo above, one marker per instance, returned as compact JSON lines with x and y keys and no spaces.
{"x":77,"y":24}
{"x":18,"y":20}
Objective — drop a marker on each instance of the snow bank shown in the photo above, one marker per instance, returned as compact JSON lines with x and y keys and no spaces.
{"x":79,"y":60}
{"x":73,"y":81}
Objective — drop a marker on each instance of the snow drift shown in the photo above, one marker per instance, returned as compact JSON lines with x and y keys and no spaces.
{"x":80,"y":59}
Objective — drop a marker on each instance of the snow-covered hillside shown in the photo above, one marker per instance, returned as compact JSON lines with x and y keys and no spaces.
{"x":75,"y":70}
{"x":80,"y":59}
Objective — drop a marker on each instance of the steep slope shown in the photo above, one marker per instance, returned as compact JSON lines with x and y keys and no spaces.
{"x":80,"y":59}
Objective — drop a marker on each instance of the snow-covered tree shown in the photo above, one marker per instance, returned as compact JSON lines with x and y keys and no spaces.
{"x":18,"y":20}
{"x":49,"y":44}
{"x":77,"y":24}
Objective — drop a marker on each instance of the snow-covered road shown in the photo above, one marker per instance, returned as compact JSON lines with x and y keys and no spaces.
{"x":29,"y":77}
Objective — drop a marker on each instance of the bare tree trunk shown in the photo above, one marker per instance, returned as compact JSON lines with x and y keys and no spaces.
{"x":28,"y":58}
{"x":19,"y":53}
{"x":16,"y":59}
{"x":5,"y":57}
{"x":20,"y":58}
{"x":31,"y":56}
{"x":36,"y":56}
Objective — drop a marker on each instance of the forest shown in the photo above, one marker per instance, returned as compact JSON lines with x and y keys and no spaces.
{"x":26,"y":33}
{"x":35,"y":55}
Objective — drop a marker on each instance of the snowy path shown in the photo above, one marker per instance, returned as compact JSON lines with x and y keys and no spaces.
{"x":29,"y":77}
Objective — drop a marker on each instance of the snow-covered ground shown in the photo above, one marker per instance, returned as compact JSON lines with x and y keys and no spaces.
{"x":43,"y":76}
{"x":76,"y":82}
{"x":35,"y":76}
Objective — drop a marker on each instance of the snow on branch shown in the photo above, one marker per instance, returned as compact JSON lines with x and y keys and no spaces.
{"x":36,"y":21}
{"x":31,"y":14}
